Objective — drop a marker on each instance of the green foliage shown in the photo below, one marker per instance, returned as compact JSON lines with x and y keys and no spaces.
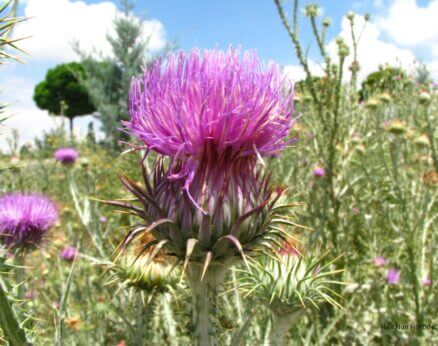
{"x":109,"y":78}
{"x":62,"y":94}
{"x":385,"y":79}
{"x":9,"y":324}
{"x":8,"y":20}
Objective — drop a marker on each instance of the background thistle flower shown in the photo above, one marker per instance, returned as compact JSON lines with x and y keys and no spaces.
{"x":25,"y":219}
{"x":66,"y":155}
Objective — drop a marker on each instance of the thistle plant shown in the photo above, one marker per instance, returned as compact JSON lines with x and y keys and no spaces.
{"x":290,"y":284}
{"x":66,"y":156}
{"x":25,"y":219}
{"x":214,"y":115}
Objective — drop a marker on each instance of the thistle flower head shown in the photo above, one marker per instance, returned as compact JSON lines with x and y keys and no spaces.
{"x":289,"y":283}
{"x":393,"y":276}
{"x":25,"y":219}
{"x":380,"y":261}
{"x":227,"y":219}
{"x":319,"y":172}
{"x":66,"y":155}
{"x":211,"y":108}
{"x":69,"y":253}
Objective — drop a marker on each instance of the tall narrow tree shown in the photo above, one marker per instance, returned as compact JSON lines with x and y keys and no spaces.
{"x":108,"y":78}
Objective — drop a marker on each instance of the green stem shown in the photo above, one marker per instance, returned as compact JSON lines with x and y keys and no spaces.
{"x":8,"y":323}
{"x":139,"y":329}
{"x":204,"y":294}
{"x":20,"y":275}
{"x":281,"y":323}
{"x":430,"y":132}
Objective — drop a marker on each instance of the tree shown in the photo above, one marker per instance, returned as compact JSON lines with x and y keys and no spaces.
{"x":386,"y":78}
{"x":108,"y":78}
{"x":62,"y":94}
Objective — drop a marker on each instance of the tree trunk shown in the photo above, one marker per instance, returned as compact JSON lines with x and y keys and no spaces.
{"x":71,"y":128}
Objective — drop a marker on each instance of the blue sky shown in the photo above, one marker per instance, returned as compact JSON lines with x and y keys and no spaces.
{"x":400,"y":31}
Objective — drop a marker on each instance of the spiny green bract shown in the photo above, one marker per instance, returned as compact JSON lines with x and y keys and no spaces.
{"x":288,"y":283}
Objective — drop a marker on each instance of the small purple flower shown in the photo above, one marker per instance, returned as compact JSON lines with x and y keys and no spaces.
{"x":56,"y":305}
{"x":66,"y":155}
{"x":103,"y":220}
{"x":309,"y":135}
{"x":393,"y":276}
{"x":30,"y":295}
{"x":380,"y":261}
{"x":355,"y":211}
{"x":69,"y":253}
{"x":426,"y":280}
{"x":319,"y":172}
{"x":25,"y":218}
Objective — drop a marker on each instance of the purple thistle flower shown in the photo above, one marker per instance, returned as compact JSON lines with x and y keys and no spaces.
{"x":393,"y":276}
{"x":355,"y":210}
{"x":30,"y":295}
{"x":69,"y":253}
{"x":103,"y":220}
{"x":25,"y":218}
{"x":426,"y":280}
{"x":380,"y":261}
{"x":217,"y":111}
{"x":66,"y":155}
{"x":319,"y":172}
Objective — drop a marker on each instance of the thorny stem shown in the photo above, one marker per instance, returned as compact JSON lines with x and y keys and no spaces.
{"x":332,"y":150}
{"x":204,"y":294}
{"x":281,"y":323}
{"x":320,"y":40}
{"x":355,"y":64}
{"x":293,"y":34}
{"x":430,"y":132}
{"x":139,"y":329}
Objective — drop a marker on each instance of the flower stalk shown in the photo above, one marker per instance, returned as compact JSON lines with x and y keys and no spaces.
{"x":281,"y":323}
{"x":203,"y":284}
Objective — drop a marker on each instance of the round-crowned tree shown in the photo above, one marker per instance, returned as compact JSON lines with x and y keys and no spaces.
{"x":62,"y":94}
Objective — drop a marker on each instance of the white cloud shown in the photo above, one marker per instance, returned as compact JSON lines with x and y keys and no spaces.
{"x":296,"y":73}
{"x":372,"y":50}
{"x":411,"y":25}
{"x":30,"y":121}
{"x":55,"y":24}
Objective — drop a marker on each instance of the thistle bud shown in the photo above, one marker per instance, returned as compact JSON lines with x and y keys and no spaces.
{"x":351,"y":15}
{"x":396,"y":127}
{"x":422,"y":141}
{"x":327,"y":22}
{"x":288,"y":285}
{"x":312,"y":11}
{"x":385,"y":97}
{"x":424,"y":98}
{"x":85,"y":162}
{"x":372,"y":104}
{"x":145,"y":273}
